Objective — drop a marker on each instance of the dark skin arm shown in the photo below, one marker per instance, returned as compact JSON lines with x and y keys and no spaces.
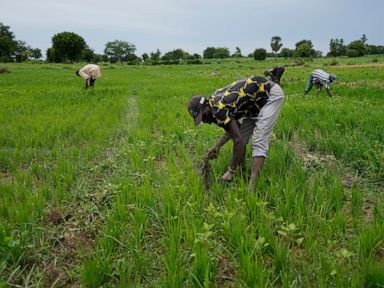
{"x":212,"y":153}
{"x":238,"y":149}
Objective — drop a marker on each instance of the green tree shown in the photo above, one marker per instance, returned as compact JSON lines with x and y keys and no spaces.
{"x":352,"y":53}
{"x":175,"y":56}
{"x":356,"y":49}
{"x":145,"y":58}
{"x":260,"y":54}
{"x":35,"y":53}
{"x":7,"y":43}
{"x":287,"y":53}
{"x":88,"y":55}
{"x":120,"y":51}
{"x":212,"y":52}
{"x":100,"y":58}
{"x":276,"y":44}
{"x":209,"y":52}
{"x":308,"y":42}
{"x":237,"y":53}
{"x":364,"y":39}
{"x":337,"y":47}
{"x":222,"y":53}
{"x":22,"y":51}
{"x":303,"y":51}
{"x":68,"y":46}
{"x":155,"y":56}
{"x":373,"y":49}
{"x":304,"y":48}
{"x":51,"y":55}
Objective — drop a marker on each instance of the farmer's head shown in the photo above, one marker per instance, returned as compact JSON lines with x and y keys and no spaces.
{"x":77,"y":72}
{"x":275,"y":73}
{"x":199,"y":110}
{"x":332,"y":77}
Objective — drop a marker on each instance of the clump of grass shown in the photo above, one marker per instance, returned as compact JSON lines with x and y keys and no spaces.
{"x":4,"y":70}
{"x":298,"y":62}
{"x":333,"y":62}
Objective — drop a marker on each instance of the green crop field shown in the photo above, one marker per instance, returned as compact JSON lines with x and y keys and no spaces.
{"x":103,"y":187}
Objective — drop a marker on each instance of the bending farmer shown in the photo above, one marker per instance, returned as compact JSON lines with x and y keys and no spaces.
{"x":320,"y":78}
{"x":90,"y":73}
{"x":247,"y":108}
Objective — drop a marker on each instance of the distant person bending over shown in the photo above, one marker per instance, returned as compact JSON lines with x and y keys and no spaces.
{"x":90,"y":73}
{"x":320,"y":78}
{"x":256,"y":103}
{"x":275,"y":74}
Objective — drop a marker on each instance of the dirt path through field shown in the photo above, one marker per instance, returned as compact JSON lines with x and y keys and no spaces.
{"x":379,"y":65}
{"x":73,"y":227}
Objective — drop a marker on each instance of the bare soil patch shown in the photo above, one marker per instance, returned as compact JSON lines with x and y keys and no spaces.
{"x":313,"y":160}
{"x":379,"y":65}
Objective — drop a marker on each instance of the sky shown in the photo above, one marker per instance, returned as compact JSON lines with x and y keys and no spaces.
{"x":193,"y":25}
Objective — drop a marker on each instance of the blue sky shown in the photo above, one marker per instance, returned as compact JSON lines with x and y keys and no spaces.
{"x":193,"y":25}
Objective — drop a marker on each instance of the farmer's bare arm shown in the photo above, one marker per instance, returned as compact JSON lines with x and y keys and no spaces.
{"x":212,"y":153}
{"x":238,"y":150}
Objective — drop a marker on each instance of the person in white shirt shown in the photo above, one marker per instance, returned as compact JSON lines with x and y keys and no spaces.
{"x":90,"y":73}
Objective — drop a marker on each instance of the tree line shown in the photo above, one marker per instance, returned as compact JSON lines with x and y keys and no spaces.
{"x":71,"y":47}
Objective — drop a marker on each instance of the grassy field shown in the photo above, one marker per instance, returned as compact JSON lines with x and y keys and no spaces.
{"x":103,"y":187}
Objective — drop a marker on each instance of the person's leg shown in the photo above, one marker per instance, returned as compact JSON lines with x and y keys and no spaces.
{"x":309,"y":84}
{"x":263,"y":129}
{"x":88,"y":82}
{"x":92,"y":82}
{"x":319,"y":86}
{"x":246,"y":130}
{"x":257,"y":163}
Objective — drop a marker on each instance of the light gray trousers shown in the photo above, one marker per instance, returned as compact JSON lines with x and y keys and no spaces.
{"x":260,"y":127}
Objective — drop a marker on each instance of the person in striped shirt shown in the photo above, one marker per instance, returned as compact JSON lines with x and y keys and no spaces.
{"x":247,"y":108}
{"x":320,"y":78}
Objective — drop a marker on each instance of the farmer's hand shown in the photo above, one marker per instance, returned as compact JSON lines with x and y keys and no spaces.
{"x":212,"y":153}
{"x":88,"y":82}
{"x":228,"y":176}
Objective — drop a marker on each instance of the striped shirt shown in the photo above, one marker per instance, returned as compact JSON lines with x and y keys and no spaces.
{"x":321,"y":77}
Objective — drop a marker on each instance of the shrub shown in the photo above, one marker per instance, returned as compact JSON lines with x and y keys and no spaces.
{"x":333,"y":62}
{"x":298,"y":62}
{"x":4,"y":70}
{"x":260,"y":54}
{"x":352,"y":53}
